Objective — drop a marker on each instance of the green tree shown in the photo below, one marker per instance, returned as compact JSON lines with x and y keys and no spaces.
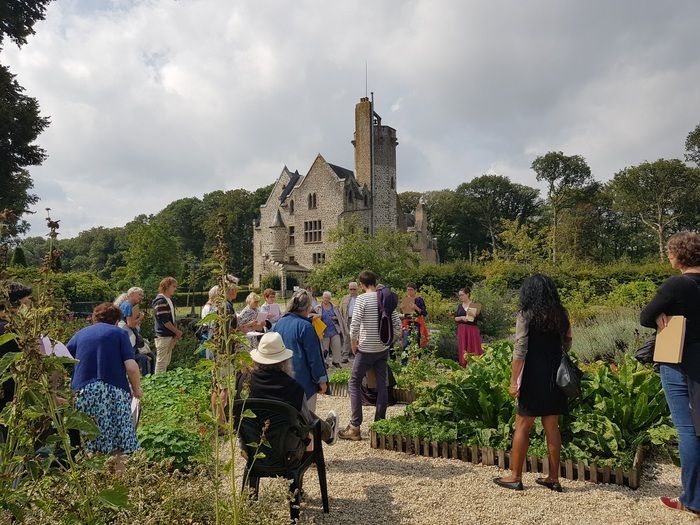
{"x":388,"y":253}
{"x":20,"y":122}
{"x":692,"y":146}
{"x":658,"y":193}
{"x":153,"y":254}
{"x":408,"y":200}
{"x":563,"y":174}
{"x":18,"y":258}
{"x":491,"y":199}
{"x":17,"y":19}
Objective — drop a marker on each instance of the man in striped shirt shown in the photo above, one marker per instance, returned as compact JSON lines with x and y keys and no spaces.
{"x":370,"y":353}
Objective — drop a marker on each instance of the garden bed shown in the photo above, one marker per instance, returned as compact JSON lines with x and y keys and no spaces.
{"x":578,"y":471}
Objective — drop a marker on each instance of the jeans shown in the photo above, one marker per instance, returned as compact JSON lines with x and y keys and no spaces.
{"x":675,"y":385}
{"x":363,"y":362}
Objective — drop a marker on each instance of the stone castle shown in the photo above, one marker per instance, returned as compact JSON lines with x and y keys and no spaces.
{"x":291,"y":236}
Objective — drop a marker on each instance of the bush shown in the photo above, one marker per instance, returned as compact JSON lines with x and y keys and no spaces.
{"x":635,"y":294}
{"x":498,"y":307}
{"x":440,"y":310}
{"x":609,"y":336}
{"x":271,"y":280}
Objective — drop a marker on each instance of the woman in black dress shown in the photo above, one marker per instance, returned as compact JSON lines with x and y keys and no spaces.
{"x":542,"y":333}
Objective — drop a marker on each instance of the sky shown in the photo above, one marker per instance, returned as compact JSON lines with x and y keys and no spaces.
{"x":155,"y":100}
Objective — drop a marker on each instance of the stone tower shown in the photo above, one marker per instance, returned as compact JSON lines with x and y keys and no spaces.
{"x":278,"y":234}
{"x":375,"y":164}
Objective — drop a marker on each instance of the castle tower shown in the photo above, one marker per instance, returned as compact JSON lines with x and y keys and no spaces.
{"x":375,"y":164}
{"x":278,"y":234}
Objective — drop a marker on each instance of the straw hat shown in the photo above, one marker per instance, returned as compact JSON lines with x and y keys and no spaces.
{"x":271,"y":350}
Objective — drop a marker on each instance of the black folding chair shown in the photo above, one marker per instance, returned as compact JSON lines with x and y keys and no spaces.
{"x":286,"y":455}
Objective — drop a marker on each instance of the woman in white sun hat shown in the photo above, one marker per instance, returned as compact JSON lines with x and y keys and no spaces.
{"x":271,"y":378}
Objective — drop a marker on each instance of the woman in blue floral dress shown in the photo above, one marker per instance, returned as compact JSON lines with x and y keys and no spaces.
{"x":105,"y":378}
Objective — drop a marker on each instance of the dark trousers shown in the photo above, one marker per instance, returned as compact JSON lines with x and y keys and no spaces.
{"x":378,"y":361}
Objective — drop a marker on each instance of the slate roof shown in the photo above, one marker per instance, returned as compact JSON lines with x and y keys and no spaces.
{"x":293,"y":179}
{"x":342,"y":173}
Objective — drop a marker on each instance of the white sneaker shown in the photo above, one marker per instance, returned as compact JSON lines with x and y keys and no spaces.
{"x":332,"y":420}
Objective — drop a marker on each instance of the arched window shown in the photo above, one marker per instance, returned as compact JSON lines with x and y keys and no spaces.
{"x":312,"y":201}
{"x":291,"y":207}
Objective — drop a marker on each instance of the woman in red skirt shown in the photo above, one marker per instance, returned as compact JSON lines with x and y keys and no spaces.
{"x":468,"y":336}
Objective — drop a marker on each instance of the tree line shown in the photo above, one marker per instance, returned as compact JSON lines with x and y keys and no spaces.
{"x":630,"y":217}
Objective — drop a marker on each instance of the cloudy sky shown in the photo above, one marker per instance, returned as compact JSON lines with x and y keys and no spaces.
{"x":155,"y":100}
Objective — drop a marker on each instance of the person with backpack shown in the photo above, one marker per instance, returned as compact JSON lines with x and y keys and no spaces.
{"x":375,"y":325}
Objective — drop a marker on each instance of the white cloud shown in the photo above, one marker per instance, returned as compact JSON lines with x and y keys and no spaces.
{"x":156,"y":100}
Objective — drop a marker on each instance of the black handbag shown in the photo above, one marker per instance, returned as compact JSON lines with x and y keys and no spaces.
{"x":645,"y":353}
{"x":569,"y":376}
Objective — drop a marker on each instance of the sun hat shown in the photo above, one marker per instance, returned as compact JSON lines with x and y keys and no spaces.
{"x":271,"y":350}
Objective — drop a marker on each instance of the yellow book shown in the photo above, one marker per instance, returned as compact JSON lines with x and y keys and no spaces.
{"x":670,"y":340}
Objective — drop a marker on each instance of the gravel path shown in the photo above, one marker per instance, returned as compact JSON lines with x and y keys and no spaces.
{"x":383,"y":487}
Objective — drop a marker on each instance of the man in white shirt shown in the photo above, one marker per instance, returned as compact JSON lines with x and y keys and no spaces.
{"x":370,"y":353}
{"x":347,"y":305}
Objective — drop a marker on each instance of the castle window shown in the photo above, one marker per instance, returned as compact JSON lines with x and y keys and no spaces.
{"x":319,"y":258}
{"x":291,"y":236}
{"x":291,"y":207}
{"x":312,"y":231}
{"x":292,"y":259}
{"x":349,"y":196}
{"x":312,"y":201}
{"x":366,"y":230}
{"x":393,"y":183}
{"x":366,"y":200}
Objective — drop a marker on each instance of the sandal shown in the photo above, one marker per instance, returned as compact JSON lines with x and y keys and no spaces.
{"x":551,"y":485}
{"x":675,"y":504}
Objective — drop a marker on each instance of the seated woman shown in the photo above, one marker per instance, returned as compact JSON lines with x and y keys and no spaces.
{"x":272,"y":378}
{"x":105,"y":378}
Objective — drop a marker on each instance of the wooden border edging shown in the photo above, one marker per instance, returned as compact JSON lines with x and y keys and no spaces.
{"x":577,"y":471}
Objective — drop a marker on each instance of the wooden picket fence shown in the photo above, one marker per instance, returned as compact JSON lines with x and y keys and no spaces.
{"x":501,"y":458}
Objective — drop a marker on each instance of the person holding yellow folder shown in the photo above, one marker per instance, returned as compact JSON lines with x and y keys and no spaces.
{"x":679,"y":296}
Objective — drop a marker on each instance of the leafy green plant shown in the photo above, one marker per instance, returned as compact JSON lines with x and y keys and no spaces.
{"x":620,"y":408}
{"x":340,"y":377}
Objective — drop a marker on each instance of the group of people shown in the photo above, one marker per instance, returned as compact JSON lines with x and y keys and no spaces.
{"x":290,"y":365}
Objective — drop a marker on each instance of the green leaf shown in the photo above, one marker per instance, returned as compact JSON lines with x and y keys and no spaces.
{"x":81,"y":421}
{"x":248,"y":413}
{"x":8,"y":359}
{"x":252,"y":444}
{"x":6,"y":338}
{"x":117,"y":497}
{"x":260,"y":455}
